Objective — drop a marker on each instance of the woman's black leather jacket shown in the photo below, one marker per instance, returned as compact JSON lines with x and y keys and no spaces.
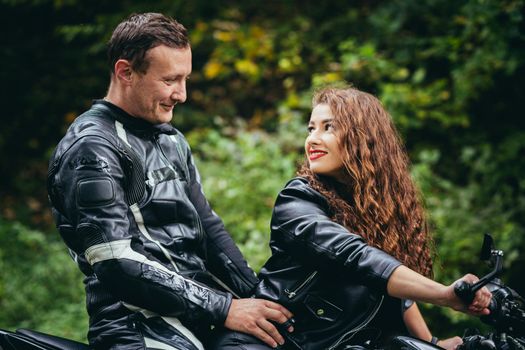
{"x":333,"y":282}
{"x":128,"y":203}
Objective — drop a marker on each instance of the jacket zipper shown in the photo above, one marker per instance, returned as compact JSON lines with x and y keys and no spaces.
{"x":181,"y":158}
{"x":196,"y":219}
{"x":166,"y":160}
{"x":293,"y":293}
{"x":359,"y":327}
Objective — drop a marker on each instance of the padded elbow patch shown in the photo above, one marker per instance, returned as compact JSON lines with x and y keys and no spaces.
{"x":95,"y":192}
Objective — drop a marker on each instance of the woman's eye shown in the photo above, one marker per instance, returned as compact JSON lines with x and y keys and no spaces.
{"x":329,"y":127}
{"x":310,"y":129}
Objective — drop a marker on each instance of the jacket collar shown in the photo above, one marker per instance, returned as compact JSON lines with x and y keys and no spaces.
{"x":137,"y":125}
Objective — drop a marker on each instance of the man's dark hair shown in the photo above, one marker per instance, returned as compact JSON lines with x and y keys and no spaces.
{"x":139,"y":33}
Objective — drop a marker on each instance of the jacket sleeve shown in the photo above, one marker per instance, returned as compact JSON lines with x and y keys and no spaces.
{"x":224,"y":258}
{"x":91,"y":182}
{"x":301,"y":224}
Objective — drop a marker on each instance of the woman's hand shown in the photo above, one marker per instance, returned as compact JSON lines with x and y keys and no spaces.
{"x":450,"y":343}
{"x":478,"y":306}
{"x":408,"y":284}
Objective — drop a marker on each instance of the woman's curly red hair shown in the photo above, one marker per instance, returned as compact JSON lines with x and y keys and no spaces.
{"x":379,"y":201}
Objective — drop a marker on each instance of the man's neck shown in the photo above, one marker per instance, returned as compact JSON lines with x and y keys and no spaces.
{"x":117,"y":95}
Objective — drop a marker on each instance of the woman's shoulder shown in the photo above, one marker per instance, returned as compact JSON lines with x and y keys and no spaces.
{"x":300,"y":188}
{"x":299,"y":185}
{"x":297,"y":182}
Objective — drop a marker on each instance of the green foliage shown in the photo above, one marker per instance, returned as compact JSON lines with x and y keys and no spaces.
{"x":40,"y":286}
{"x":460,"y":214}
{"x":450,"y":74}
{"x":242,"y":172}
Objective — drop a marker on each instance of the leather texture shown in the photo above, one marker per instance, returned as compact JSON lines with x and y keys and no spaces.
{"x":129,"y":205}
{"x":332,"y":281}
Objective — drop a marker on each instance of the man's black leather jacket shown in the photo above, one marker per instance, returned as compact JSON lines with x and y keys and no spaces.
{"x":128,"y":203}
{"x":333,"y":282}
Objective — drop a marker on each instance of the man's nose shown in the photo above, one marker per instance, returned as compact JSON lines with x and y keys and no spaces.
{"x":179,"y":93}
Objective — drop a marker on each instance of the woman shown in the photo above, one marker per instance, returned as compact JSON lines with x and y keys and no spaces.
{"x":349,"y":240}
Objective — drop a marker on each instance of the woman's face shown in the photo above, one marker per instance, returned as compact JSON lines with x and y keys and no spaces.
{"x":322,"y":147}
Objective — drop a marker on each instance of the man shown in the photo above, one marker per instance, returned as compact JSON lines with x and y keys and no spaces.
{"x":161,"y":270}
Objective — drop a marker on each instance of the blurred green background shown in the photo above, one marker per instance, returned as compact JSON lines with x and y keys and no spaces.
{"x":451,"y":73}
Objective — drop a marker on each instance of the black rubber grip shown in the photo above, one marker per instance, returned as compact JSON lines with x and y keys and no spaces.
{"x":464,"y":291}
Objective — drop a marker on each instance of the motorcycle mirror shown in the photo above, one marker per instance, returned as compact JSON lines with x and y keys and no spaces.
{"x":487,"y":247}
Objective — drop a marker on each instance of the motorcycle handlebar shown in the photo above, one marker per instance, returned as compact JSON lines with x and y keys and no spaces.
{"x":464,"y":291}
{"x":467,"y":291}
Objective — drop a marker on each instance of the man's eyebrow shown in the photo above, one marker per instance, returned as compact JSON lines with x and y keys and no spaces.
{"x":173,"y":76}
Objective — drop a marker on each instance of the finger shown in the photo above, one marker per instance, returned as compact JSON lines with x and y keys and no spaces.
{"x":271,"y":330}
{"x":470,"y":278}
{"x":275,"y":315}
{"x":481,"y":312}
{"x":483,"y":298}
{"x":478,"y":311}
{"x":288,"y":325}
{"x":474,"y":309}
{"x":485,"y":302}
{"x":263,"y":336}
{"x":279,"y":307}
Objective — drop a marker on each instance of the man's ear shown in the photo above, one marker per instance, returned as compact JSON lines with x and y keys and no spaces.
{"x":123,"y":71}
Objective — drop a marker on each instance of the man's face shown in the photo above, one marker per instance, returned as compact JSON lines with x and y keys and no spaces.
{"x":154,"y":94}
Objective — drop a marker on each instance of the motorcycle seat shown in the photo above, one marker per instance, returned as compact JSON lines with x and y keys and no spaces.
{"x":51,"y":341}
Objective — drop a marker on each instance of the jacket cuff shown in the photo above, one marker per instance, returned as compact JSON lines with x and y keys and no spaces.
{"x":383,"y":265}
{"x":223,"y":313}
{"x":387,"y":272}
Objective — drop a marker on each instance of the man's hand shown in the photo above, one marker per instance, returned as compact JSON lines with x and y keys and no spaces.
{"x":253,"y":316}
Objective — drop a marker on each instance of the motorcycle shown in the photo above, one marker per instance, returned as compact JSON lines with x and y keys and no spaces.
{"x":507,"y":311}
{"x":506,"y":318}
{"x":27,"y":339}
